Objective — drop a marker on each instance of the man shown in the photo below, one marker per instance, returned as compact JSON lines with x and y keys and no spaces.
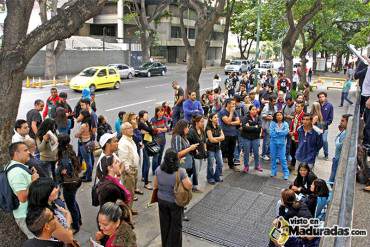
{"x":293,"y":132}
{"x":127,"y":152}
{"x":309,"y":141}
{"x":283,"y":83}
{"x":230,"y":84}
{"x":42,"y":223}
{"x":85,"y":105}
{"x":242,"y":91}
{"x":51,"y":102}
{"x":177,"y":110}
{"x":265,"y":95}
{"x":254,"y":101}
{"x":63,"y":103}
{"x":270,"y":81}
{"x":327,"y":112}
{"x":241,"y":111}
{"x":192,"y":106}
{"x":19,"y":180}
{"x":34,"y":118}
{"x":21,"y":131}
{"x":280,"y":103}
{"x":267,"y":114}
{"x":363,"y":75}
{"x":338,"y":145}
{"x":229,"y":123}
{"x":288,"y":111}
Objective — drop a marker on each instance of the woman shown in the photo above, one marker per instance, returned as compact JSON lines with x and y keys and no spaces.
{"x":279,"y":130}
{"x":132,"y":118}
{"x":197,"y":135}
{"x":61,"y":120}
{"x":167,"y":113}
{"x":103,"y":127}
{"x":304,"y":179}
{"x":317,"y":201}
{"x":85,"y":147}
{"x":147,"y":133}
{"x":46,"y":140}
{"x":317,"y":118}
{"x":68,"y":169}
{"x":43,"y":193}
{"x":115,"y":221}
{"x":160,"y":127}
{"x":110,"y":188}
{"x":215,"y":136}
{"x":119,"y":122}
{"x":181,"y":144}
{"x":170,"y":214}
{"x":205,"y":103}
{"x":216,"y":82}
{"x":250,"y":138}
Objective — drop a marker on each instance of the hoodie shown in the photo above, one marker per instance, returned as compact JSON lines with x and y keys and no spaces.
{"x":309,"y":145}
{"x":86,"y":94}
{"x":192,"y":108}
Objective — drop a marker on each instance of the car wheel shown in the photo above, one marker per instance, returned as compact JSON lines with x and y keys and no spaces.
{"x":148,"y":74}
{"x":92,"y":88}
{"x":129,"y":76}
{"x":117,"y":85}
{"x":163,"y":72}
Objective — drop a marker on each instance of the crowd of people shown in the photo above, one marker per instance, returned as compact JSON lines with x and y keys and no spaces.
{"x":223,"y":126}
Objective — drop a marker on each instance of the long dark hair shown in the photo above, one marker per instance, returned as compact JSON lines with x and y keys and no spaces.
{"x":300,"y":179}
{"x":170,"y":162}
{"x":86,"y":118}
{"x":156,"y":110}
{"x":65,"y":149}
{"x":48,"y":124}
{"x":320,"y":188}
{"x":61,"y":117}
{"x":289,"y":198}
{"x":102,"y":169}
{"x":179,"y":128}
{"x":39,"y":192}
{"x":209,"y":122}
{"x":274,"y":117}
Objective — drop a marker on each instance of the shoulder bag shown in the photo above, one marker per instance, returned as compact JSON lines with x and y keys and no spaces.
{"x":182,"y":195}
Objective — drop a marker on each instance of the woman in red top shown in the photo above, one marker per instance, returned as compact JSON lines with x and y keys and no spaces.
{"x":294,"y":125}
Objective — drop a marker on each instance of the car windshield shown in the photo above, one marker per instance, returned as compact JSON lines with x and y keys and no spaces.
{"x":235,"y":63}
{"x":89,"y":72}
{"x":147,"y":65}
{"x":266,"y":61}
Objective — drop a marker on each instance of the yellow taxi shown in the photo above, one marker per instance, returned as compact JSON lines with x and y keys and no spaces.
{"x":96,"y":78}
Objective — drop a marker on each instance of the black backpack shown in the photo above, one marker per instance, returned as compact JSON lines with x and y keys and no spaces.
{"x":8,"y":200}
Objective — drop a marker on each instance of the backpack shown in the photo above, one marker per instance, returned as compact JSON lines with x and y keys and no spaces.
{"x":182,"y":195}
{"x":8,"y":200}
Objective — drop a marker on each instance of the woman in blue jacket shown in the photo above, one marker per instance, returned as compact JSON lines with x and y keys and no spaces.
{"x":279,"y":129}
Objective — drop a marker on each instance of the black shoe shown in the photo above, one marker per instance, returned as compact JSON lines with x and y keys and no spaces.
{"x":340,"y":106}
{"x":86,"y":180}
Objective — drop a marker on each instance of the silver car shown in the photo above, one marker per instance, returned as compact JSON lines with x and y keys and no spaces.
{"x":124,"y":70}
{"x":237,"y":66}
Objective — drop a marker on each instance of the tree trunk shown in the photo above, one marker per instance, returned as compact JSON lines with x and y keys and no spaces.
{"x":338,"y":62}
{"x":145,"y":46}
{"x":50,"y":62}
{"x":326,"y":61}
{"x":230,"y":9}
{"x":287,"y":51}
{"x":314,"y":61}
{"x":303,"y":76}
{"x":347,"y":58}
{"x":249,"y":49}
{"x":241,"y":48}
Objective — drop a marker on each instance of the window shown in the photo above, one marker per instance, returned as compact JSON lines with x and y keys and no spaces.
{"x":112,"y":72}
{"x":175,"y":32}
{"x":191,"y":33}
{"x":102,"y":73}
{"x":124,"y":67}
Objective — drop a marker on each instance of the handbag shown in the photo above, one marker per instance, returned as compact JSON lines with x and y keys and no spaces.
{"x":182,"y":195}
{"x":94,"y":194}
{"x":153,"y":147}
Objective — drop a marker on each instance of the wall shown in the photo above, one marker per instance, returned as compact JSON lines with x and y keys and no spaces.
{"x":73,"y":61}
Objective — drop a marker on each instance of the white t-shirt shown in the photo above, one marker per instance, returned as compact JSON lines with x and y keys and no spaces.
{"x":366,"y":83}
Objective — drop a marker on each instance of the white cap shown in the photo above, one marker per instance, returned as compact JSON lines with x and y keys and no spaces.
{"x":106,"y":137}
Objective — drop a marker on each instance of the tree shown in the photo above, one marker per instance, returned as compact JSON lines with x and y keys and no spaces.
{"x":144,"y":21}
{"x":52,"y":52}
{"x":208,"y":12}
{"x":229,"y":12}
{"x":17,"y":49}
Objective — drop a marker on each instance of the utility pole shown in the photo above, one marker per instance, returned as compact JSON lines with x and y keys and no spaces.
{"x":258,"y":36}
{"x":104,"y":38}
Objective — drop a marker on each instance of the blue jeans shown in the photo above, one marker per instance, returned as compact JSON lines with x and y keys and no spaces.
{"x":70,"y":199}
{"x":177,"y":112}
{"x":49,"y":168}
{"x":325,"y":143}
{"x":86,"y":156}
{"x":266,"y":143}
{"x":343,"y":97}
{"x":237,"y":148}
{"x":157,"y":159}
{"x":288,"y":144}
{"x":146,"y":165}
{"x":278,"y":151}
{"x":248,"y":145}
{"x":334,"y":168}
{"x":213,"y":175}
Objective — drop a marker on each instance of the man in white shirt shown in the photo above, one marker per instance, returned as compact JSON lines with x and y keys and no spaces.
{"x":21,"y":131}
{"x":127,"y":152}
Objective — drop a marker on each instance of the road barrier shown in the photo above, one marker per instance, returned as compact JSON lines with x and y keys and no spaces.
{"x":41,"y":83}
{"x":340,"y":211}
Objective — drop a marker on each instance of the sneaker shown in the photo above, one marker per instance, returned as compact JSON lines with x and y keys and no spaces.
{"x":236,"y":169}
{"x":245,"y":169}
{"x":211,"y":182}
{"x":236,"y":162}
{"x":196,"y":190}
{"x":258,"y":168}
{"x":326,"y":158}
{"x":266,"y":158}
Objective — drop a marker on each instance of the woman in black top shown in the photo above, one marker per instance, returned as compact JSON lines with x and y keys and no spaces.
{"x":214,"y":138}
{"x":147,"y":131}
{"x":197,"y":135}
{"x":304,"y":179}
{"x":103,"y":127}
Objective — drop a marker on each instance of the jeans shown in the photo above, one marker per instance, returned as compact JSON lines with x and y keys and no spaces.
{"x":288,"y":144}
{"x":293,"y":150}
{"x":177,"y":112}
{"x":213,"y":175}
{"x":237,"y":148}
{"x":229,"y":148}
{"x":343,"y":97}
{"x":72,"y":205}
{"x":157,"y":159}
{"x":334,"y":168}
{"x":266,"y":143}
{"x":49,"y":168}
{"x":231,"y":93}
{"x":278,"y":152}
{"x":248,"y":145}
{"x":86,"y":156}
{"x":146,"y":165}
{"x":193,"y":173}
{"x":170,"y":221}
{"x":325,"y":143}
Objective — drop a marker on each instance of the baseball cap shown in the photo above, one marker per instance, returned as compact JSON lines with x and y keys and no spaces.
{"x":106,"y":137}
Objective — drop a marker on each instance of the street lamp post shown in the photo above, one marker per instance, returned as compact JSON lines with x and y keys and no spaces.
{"x":258,"y":37}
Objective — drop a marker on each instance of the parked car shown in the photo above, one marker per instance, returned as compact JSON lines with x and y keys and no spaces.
{"x":267,"y":64}
{"x":151,"y":68}
{"x":124,"y":70}
{"x":96,"y":78}
{"x":237,"y":66}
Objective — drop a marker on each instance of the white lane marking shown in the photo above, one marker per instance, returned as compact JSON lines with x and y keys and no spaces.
{"x":137,"y":103}
{"x":159,"y":85}
{"x":96,"y":95}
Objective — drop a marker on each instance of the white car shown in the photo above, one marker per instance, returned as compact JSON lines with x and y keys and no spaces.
{"x":267,"y":64}
{"x":237,"y":66}
{"x":124,"y":70}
